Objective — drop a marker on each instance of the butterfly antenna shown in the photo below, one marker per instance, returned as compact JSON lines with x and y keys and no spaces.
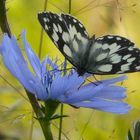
{"x":57,"y":70}
{"x":92,"y":82}
{"x":99,"y":82}
{"x":96,"y":79}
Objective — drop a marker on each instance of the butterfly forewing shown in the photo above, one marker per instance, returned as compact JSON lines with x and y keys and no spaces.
{"x":54,"y":26}
{"x":74,"y":25}
{"x":113,"y":54}
{"x":67,"y":33}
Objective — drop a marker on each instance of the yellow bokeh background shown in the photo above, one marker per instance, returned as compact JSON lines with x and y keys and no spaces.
{"x":100,"y":17}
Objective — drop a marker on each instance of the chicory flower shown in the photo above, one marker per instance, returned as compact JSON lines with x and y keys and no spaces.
{"x":46,"y":81}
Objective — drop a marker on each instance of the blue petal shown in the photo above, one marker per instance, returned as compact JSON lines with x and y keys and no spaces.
{"x":111,"y":93}
{"x":91,"y":91}
{"x":43,"y":65}
{"x":81,"y":95}
{"x":114,"y":80}
{"x":15,"y":63}
{"x":52,"y":64}
{"x":61,"y":85}
{"x":39,"y":90}
{"x":34,"y":60}
{"x":89,"y":94}
{"x":104,"y":105}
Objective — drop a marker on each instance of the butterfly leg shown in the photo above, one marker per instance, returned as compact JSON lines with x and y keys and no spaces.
{"x":96,"y":79}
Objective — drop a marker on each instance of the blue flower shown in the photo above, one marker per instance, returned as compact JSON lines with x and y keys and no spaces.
{"x":46,"y":81}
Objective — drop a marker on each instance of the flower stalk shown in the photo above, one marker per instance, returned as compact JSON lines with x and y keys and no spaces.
{"x":45,"y":125}
{"x":3,"y":18}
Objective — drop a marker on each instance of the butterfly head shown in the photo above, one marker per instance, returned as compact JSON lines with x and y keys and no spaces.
{"x":80,"y":71}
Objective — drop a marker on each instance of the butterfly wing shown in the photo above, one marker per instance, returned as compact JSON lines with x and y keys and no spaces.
{"x":112,"y":54}
{"x":68,"y":34}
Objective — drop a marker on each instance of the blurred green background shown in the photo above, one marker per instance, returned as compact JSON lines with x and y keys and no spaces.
{"x":100,"y":17}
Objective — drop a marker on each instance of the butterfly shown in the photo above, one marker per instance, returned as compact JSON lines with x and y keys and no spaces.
{"x":108,"y":54}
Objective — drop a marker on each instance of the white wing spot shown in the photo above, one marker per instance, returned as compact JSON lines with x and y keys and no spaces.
{"x":79,"y":36}
{"x":45,"y":19}
{"x":75,"y":45}
{"x":120,"y":72}
{"x":109,"y":37}
{"x":80,"y":25}
{"x":46,"y":27}
{"x":125,"y":67}
{"x":130,"y":48}
{"x":55,"y":36}
{"x":105,"y":68}
{"x":126,"y":56}
{"x":131,"y":59}
{"x":59,"y":28}
{"x":105,"y":46}
{"x":74,"y":20}
{"x":118,"y":38}
{"x":60,"y":19}
{"x":114,"y":48}
{"x":100,"y":38}
{"x":101,"y":56}
{"x":138,"y":67}
{"x":115,"y":58}
{"x":96,"y":46}
{"x":86,"y":33}
{"x":65,"y":36}
{"x":55,"y":27}
{"x":84,"y":41}
{"x":67,"y":50}
{"x":72,"y":31}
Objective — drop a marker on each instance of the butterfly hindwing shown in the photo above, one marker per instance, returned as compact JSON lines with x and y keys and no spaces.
{"x":112,"y":54}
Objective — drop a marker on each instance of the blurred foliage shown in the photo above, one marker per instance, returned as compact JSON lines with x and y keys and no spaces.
{"x":99,"y":17}
{"x":136,"y":132}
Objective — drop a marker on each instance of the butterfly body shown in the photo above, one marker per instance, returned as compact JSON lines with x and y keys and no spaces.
{"x":109,"y":54}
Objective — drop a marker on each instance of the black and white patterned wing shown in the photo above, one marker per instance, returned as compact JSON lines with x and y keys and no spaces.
{"x":74,"y":26}
{"x":112,"y":54}
{"x":54,"y":27}
{"x":67,"y":33}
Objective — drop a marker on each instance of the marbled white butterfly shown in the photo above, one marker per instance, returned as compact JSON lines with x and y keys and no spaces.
{"x":109,"y":54}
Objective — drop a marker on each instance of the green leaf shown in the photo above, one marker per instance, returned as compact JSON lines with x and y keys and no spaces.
{"x":137,"y":131}
{"x":56,"y":116}
{"x":129,"y":136}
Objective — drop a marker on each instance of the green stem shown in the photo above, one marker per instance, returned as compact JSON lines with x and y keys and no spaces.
{"x":3,"y":18}
{"x":62,"y":106}
{"x":41,"y":32}
{"x":32,"y":126}
{"x":70,"y":1}
{"x":48,"y":134}
{"x":45,"y":125}
{"x":61,"y":120}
